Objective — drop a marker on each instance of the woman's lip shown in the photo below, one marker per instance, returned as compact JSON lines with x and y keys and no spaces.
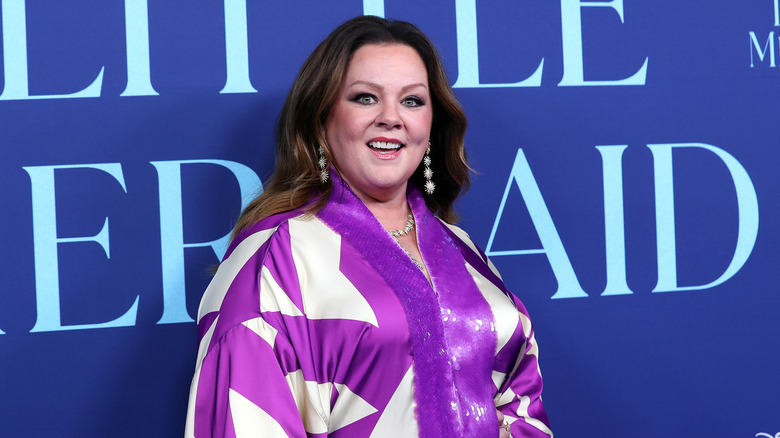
{"x":386,"y":154}
{"x":386,"y":140}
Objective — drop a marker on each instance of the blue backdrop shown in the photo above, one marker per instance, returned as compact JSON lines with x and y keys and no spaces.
{"x":626,"y":187}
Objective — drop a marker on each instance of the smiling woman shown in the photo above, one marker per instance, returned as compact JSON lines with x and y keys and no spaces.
{"x":348,"y":304}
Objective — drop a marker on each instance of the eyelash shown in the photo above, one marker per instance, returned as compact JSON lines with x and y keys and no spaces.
{"x":415,"y":101}
{"x":358,"y":98}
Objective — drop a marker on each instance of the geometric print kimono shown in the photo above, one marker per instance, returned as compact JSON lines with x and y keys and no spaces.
{"x":321,"y":325}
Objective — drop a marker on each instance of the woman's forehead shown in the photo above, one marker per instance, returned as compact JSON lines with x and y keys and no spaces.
{"x":386,"y":64}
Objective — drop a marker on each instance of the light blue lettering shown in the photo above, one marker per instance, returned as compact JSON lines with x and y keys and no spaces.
{"x":468,"y":52}
{"x":769,"y":46}
{"x":45,"y":240}
{"x":747,"y":208}
{"x":568,"y":285}
{"x":15,"y":58}
{"x":777,"y":12}
{"x":139,"y":81}
{"x":614,"y":222}
{"x":374,"y":7}
{"x":571,"y":25}
{"x":237,"y":48}
{"x":172,"y":234}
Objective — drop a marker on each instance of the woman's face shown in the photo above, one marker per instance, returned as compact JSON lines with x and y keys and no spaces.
{"x":379,"y":126}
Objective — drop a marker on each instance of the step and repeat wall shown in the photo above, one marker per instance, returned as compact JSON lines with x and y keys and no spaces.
{"x":626,"y":158}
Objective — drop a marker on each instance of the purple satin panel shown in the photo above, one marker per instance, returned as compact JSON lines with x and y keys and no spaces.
{"x":245,"y":366}
{"x":469,"y":327}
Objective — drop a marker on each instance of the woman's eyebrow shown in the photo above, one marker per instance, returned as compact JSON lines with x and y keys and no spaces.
{"x":381,"y":88}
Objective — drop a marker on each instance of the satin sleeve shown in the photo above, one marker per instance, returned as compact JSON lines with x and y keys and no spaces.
{"x":248,"y":380}
{"x":520,"y":395}
{"x":242,"y":390}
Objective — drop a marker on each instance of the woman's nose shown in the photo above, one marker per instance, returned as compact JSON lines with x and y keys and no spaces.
{"x":389,"y":117}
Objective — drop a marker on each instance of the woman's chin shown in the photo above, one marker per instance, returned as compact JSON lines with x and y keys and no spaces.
{"x":381,"y":189}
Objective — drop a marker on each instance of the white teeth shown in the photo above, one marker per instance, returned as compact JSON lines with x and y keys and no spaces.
{"x":384,"y":145}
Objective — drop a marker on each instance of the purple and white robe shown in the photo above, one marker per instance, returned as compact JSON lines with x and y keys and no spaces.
{"x":321,"y":325}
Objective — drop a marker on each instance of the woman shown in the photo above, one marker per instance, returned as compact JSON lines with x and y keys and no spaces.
{"x":345,"y":306}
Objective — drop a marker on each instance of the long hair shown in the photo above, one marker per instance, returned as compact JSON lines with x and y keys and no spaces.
{"x":300,"y":129}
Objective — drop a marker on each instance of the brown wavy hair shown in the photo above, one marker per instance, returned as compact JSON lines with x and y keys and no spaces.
{"x":300,"y":129}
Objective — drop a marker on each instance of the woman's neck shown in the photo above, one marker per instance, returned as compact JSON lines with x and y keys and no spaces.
{"x":392,"y":212}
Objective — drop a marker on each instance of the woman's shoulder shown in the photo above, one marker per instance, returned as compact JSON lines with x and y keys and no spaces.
{"x":471,"y":252}
{"x":257,"y":251}
{"x":276,"y":237}
{"x":262,"y":230}
{"x":461,"y":236}
{"x":284,"y":230}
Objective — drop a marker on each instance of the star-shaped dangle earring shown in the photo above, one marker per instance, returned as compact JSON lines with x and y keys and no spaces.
{"x":427,"y":172}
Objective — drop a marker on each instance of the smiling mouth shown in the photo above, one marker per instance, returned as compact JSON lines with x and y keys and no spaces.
{"x":383,"y":146}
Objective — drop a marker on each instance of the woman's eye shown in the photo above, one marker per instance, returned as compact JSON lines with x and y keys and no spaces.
{"x":412,"y":102}
{"x":364,"y":99}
